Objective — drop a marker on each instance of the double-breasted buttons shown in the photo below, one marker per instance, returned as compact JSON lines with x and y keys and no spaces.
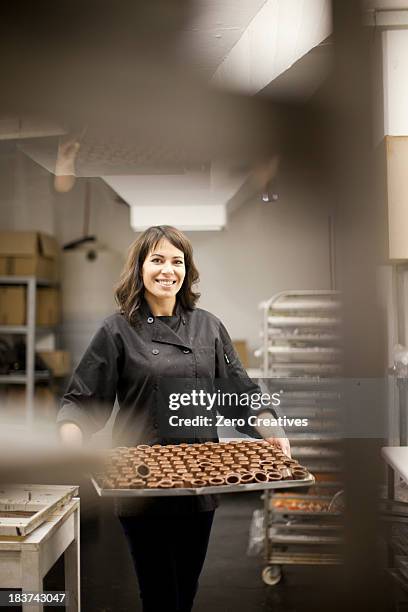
{"x":155,"y":351}
{"x":150,"y":319}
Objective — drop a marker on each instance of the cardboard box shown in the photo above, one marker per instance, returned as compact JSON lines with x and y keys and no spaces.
{"x":242,"y":349}
{"x":59,"y":362}
{"x":13,"y":302}
{"x":48,"y":306}
{"x":12,"y":305}
{"x":29,"y":254}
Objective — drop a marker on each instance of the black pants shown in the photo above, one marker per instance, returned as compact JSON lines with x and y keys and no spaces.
{"x":168,"y":553}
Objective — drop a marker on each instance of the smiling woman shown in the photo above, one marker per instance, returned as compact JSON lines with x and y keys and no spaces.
{"x":141,"y":354}
{"x":159,"y":266}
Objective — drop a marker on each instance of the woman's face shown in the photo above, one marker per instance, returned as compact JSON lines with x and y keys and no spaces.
{"x":164,"y":270}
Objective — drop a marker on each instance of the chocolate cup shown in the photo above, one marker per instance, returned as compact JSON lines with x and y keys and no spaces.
{"x":260,"y":476}
{"x":178,"y":484}
{"x":137,"y":483}
{"x":299,"y":474}
{"x":269,"y":468}
{"x":216,"y":481}
{"x":232,"y":479}
{"x":205,"y":464}
{"x":198,"y":483}
{"x":246,"y":477}
{"x":286,"y":473}
{"x":123,"y":483}
{"x":165,"y":483}
{"x":142,"y":470}
{"x":274,"y":475}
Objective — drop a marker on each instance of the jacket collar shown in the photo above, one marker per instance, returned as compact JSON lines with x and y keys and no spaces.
{"x":160,"y":332}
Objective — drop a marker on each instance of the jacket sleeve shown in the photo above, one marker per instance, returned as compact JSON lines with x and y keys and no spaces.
{"x":232,"y":378}
{"x":90,"y":396}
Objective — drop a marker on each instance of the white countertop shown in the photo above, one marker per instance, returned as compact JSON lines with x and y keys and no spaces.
{"x":397,"y":458}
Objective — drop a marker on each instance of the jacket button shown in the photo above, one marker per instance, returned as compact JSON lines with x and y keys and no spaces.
{"x":155,"y":351}
{"x":155,"y":425}
{"x":150,"y":319}
{"x":186,"y":351}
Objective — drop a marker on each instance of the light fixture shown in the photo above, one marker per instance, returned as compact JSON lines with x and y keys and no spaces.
{"x":267,"y":196}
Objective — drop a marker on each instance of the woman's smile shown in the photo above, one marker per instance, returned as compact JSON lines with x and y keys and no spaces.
{"x":164,"y":282}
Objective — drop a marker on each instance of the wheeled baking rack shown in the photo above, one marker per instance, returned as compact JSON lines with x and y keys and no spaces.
{"x":302,"y":354}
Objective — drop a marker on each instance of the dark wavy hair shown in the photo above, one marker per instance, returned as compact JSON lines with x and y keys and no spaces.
{"x":129,"y":291}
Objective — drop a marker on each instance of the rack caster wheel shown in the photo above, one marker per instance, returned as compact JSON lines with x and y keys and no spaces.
{"x":271,"y":574}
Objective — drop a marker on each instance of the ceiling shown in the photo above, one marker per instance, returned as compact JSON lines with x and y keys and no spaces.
{"x":215,"y":27}
{"x":272,"y":47}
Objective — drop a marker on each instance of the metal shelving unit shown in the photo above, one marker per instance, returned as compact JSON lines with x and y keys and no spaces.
{"x":301,"y":356}
{"x":29,"y":331}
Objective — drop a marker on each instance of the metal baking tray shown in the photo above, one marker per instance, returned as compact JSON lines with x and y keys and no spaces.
{"x":299,"y":497}
{"x":241,"y":488}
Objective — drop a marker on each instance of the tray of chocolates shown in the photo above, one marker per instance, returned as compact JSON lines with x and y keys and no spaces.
{"x":197,"y":469}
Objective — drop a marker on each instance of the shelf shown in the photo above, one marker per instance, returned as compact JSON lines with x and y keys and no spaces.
{"x":284,"y":539}
{"x":13,"y":329}
{"x":289,"y":354}
{"x":299,"y":321}
{"x":279,"y":336}
{"x":303,"y":558}
{"x":293,"y":369}
{"x":24,"y":280}
{"x":306,"y":439}
{"x":305,"y":305}
{"x":315,"y":453}
{"x":21,"y":379}
{"x":23,"y":329}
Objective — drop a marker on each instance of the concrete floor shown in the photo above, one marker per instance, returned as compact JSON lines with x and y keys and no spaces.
{"x":231,"y":581}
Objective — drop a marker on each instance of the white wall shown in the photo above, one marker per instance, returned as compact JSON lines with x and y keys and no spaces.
{"x":278,"y":36}
{"x":266,"y":248}
{"x":26,"y":198}
{"x":395,"y":50}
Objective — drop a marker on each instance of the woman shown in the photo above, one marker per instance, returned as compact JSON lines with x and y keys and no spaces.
{"x":157,"y":344}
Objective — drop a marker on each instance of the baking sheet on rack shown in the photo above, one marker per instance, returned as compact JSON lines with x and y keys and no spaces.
{"x":241,"y":488}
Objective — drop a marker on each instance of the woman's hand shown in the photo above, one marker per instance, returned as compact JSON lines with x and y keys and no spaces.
{"x":283,"y":443}
{"x":70,"y":434}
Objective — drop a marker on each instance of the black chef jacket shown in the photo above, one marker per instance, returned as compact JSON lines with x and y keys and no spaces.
{"x":140,"y":364}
